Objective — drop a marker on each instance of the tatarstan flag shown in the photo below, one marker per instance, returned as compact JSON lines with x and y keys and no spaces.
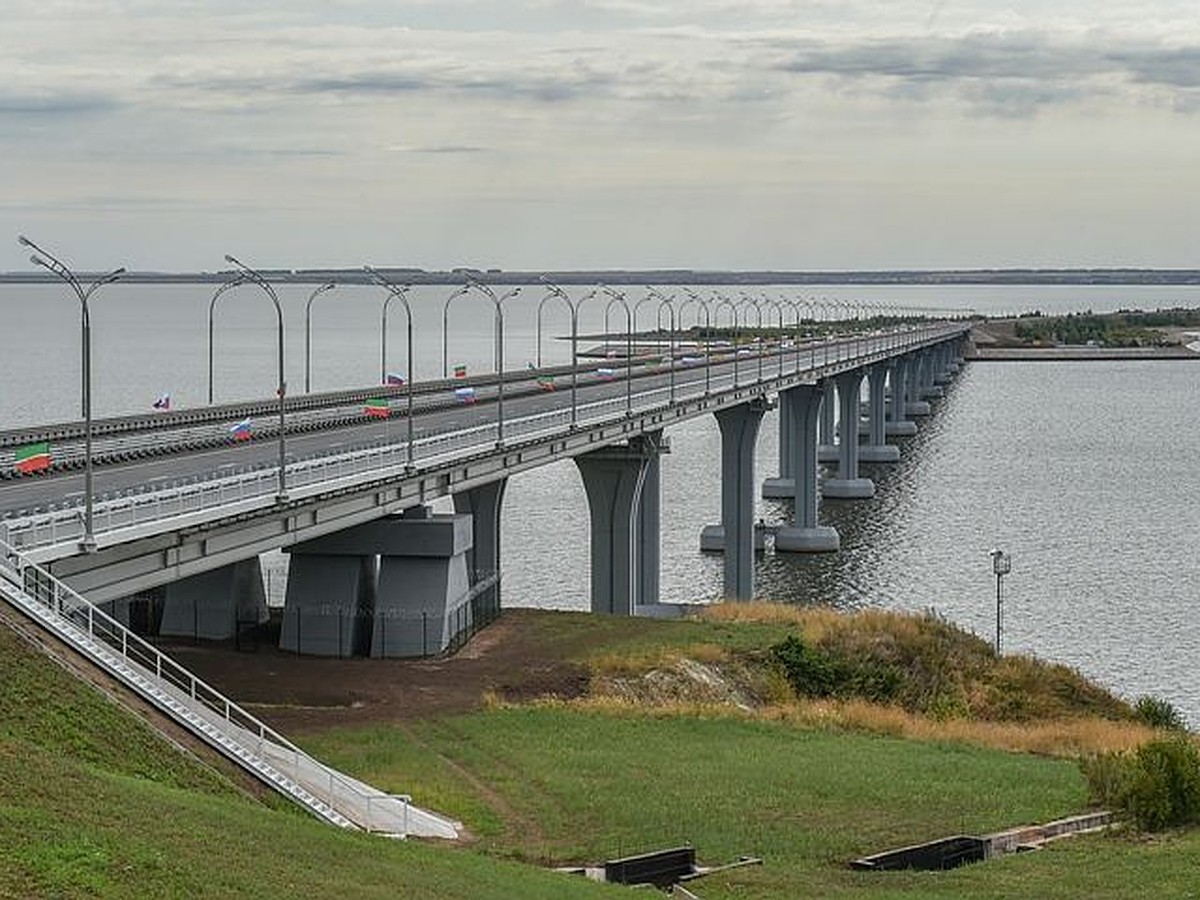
{"x":33,"y":457}
{"x":460,"y":371}
{"x":377,"y":408}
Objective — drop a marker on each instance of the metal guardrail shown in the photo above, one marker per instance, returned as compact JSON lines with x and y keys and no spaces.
{"x":215,"y":718}
{"x":243,"y":491}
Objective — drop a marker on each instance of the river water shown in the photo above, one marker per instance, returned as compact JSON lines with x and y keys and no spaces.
{"x":1082,"y":471}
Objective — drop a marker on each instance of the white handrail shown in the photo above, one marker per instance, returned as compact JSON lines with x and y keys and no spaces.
{"x":241,"y":736}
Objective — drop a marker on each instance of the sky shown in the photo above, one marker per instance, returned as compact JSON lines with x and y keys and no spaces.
{"x":567,"y":134}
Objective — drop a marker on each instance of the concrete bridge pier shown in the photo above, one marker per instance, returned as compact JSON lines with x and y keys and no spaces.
{"x":918,"y":375}
{"x":877,"y":449}
{"x":784,"y":485}
{"x":423,"y":601}
{"x":329,"y":600}
{"x":736,"y":535}
{"x":624,"y":535}
{"x":804,"y":535}
{"x":211,"y":605}
{"x":930,"y":389}
{"x":827,"y":451}
{"x":848,"y":485}
{"x":898,"y":424}
{"x":483,"y":505}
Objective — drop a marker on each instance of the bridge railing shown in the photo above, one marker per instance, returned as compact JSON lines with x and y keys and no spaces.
{"x":256,"y":486}
{"x":197,"y":705}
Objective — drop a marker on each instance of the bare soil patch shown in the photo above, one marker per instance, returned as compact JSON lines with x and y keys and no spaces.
{"x":508,"y":658}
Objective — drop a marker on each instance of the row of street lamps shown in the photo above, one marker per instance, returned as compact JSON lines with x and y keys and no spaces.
{"x":712,"y":308}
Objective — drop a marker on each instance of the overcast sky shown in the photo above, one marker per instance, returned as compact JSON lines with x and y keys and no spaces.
{"x":162,"y":134}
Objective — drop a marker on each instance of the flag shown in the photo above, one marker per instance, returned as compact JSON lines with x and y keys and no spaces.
{"x":163,"y":402}
{"x":241,"y":431}
{"x":460,"y":371}
{"x":606,"y":374}
{"x":394,"y":380}
{"x":378,"y":408}
{"x":33,"y":458}
{"x":545,"y":382}
{"x":464,"y":394}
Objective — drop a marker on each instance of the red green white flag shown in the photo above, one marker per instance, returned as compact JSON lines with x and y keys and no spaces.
{"x":460,"y":371}
{"x":377,"y":408}
{"x":33,"y":457}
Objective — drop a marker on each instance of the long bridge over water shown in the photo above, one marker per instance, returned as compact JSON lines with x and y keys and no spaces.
{"x":174,"y":506}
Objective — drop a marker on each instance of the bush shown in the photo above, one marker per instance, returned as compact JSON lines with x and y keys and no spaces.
{"x":1159,"y":713}
{"x":1158,"y":785}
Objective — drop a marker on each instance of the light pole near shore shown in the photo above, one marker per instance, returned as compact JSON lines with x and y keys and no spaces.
{"x":308,"y":333}
{"x":59,"y":269}
{"x":1001,"y":566}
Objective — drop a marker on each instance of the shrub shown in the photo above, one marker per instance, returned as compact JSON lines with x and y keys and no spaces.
{"x":1158,"y":785}
{"x":1159,"y":713}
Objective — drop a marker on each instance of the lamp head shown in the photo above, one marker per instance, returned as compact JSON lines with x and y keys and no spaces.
{"x":24,"y":241}
{"x":230,"y":259}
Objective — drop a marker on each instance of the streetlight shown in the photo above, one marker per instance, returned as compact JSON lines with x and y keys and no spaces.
{"x":256,"y":277}
{"x":212,"y":306}
{"x":59,"y":269}
{"x":498,"y":349}
{"x":398,"y":293}
{"x":722,"y":301}
{"x":757,"y":304}
{"x":701,"y":303}
{"x":393,"y":293}
{"x":559,"y":293}
{"x":1001,"y":566}
{"x":619,"y":298}
{"x":308,"y":331}
{"x":668,"y":302}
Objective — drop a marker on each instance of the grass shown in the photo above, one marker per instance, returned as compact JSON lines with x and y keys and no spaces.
{"x":583,"y":786}
{"x":93,"y":804}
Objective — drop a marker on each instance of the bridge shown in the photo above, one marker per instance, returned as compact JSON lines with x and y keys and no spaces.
{"x":177,"y":507}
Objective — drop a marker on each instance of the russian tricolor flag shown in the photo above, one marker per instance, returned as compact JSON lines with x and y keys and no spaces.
{"x":241,"y":431}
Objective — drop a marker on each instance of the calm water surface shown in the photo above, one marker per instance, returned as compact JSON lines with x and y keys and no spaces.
{"x":1083,"y":472}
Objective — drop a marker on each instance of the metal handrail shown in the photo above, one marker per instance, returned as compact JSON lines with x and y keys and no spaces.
{"x":256,"y":487}
{"x":182,"y":695}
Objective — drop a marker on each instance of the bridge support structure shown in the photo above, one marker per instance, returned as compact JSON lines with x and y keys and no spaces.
{"x":848,"y":485}
{"x":211,"y":605}
{"x":483,"y":505}
{"x":736,"y":535}
{"x":784,"y":484}
{"x":877,"y":449}
{"x":414,"y":602}
{"x":827,"y":451}
{"x":898,"y":423}
{"x":804,"y":535}
{"x":623,"y":490}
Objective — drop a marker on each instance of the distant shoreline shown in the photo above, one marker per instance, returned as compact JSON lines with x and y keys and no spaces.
{"x":416,"y":275}
{"x":1089,"y":354}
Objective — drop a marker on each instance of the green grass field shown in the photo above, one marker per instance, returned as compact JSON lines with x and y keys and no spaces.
{"x":92,"y":804}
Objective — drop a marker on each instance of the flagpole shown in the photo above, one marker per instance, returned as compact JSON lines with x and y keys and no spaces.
{"x":55,"y":266}
{"x":258,"y":279}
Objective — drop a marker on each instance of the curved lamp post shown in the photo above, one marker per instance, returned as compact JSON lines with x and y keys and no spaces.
{"x":394,"y":292}
{"x":559,"y":293}
{"x":258,"y":279}
{"x":747,"y":300}
{"x":779,"y":341}
{"x":60,"y":270}
{"x":212,"y":306}
{"x":308,"y":332}
{"x":618,"y":298}
{"x":723,"y":301}
{"x":701,"y":303}
{"x":446,"y":328}
{"x":498,"y":349}
{"x":667,"y":300}
{"x":398,"y":293}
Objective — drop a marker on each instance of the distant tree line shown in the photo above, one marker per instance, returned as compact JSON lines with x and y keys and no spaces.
{"x":1125,"y":328}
